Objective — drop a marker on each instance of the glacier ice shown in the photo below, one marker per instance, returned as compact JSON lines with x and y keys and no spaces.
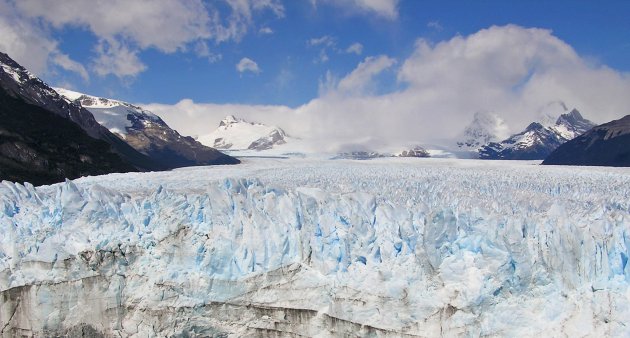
{"x":388,"y":247}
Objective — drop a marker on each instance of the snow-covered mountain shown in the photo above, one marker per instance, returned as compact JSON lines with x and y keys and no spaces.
{"x":17,"y":81}
{"x":604,"y":145}
{"x":237,"y":134}
{"x":485,"y":128}
{"x":39,"y":147}
{"x":147,"y":132}
{"x":381,"y":248}
{"x":415,"y":151}
{"x":537,"y":141}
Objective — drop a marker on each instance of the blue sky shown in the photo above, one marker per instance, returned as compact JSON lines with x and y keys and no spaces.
{"x":306,"y":56}
{"x":291,"y":68}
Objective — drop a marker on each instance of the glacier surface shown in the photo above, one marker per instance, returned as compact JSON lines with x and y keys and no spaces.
{"x":303,"y":247}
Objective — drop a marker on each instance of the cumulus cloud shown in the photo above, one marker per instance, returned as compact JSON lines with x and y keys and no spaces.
{"x":31,"y":45}
{"x":355,"y":48}
{"x":117,"y":58}
{"x":359,"y":81}
{"x":512,"y":71}
{"x":126,"y":26}
{"x":387,"y":9}
{"x":247,"y":65}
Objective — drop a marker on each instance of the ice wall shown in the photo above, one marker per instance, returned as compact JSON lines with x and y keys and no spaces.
{"x":383,"y":250}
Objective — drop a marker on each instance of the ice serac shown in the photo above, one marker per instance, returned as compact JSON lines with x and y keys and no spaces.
{"x":237,"y":134}
{"x":538,"y":140}
{"x":604,"y":145}
{"x":380,"y":248}
{"x":20,"y":84}
{"x":147,"y":132}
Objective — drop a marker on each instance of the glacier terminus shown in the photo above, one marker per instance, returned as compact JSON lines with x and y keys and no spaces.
{"x":395,"y":247}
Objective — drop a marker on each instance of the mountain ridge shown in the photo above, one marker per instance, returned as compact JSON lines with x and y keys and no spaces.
{"x":18,"y":82}
{"x":537,"y":141}
{"x":606,"y":145}
{"x":147,"y":133}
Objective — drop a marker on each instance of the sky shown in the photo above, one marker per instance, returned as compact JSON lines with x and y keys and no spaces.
{"x":352,"y":71}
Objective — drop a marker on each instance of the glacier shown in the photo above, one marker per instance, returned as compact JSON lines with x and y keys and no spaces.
{"x":390,"y":247}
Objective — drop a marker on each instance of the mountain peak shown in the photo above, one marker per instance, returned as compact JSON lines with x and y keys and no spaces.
{"x":607,"y":144}
{"x":485,"y":127}
{"x":236,"y":133}
{"x":230,"y":119}
{"x":571,"y":117}
{"x":539,"y":139}
{"x":534,"y":126}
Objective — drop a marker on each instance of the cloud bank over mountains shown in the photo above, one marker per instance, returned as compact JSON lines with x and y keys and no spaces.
{"x":513,"y":71}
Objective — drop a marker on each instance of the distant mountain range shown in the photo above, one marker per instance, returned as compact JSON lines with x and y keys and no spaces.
{"x":537,"y":141}
{"x":237,"y":134}
{"x":147,"y":132}
{"x":604,"y":145}
{"x":45,"y":137}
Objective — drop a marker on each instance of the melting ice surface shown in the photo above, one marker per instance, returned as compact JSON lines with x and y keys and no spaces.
{"x":388,"y":247}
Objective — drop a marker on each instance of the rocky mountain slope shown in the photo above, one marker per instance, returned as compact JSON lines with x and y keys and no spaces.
{"x":605,"y":145}
{"x":537,"y":141}
{"x":19,"y":83}
{"x":148,"y":133}
{"x":40,"y":147}
{"x":237,"y":134}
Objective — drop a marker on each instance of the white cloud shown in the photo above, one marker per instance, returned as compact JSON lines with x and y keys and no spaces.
{"x":240,"y":19}
{"x":22,"y":41}
{"x":355,"y":48}
{"x":359,"y":81}
{"x":202,"y":50}
{"x":387,"y":9}
{"x":328,"y":43}
{"x":512,"y":71}
{"x":265,"y":31}
{"x":325,"y":41}
{"x":126,"y":26}
{"x":435,"y":25}
{"x":116,"y":58}
{"x":247,"y":65}
{"x":64,"y":61}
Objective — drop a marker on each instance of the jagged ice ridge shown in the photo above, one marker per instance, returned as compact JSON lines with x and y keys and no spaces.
{"x":389,"y":247}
